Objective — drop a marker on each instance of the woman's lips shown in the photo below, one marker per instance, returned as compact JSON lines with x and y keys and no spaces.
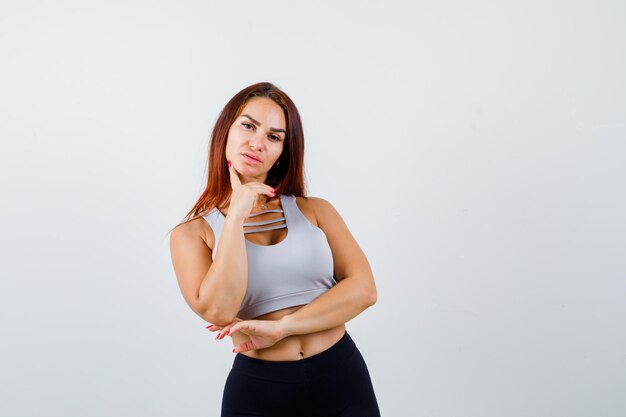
{"x":251,"y":160}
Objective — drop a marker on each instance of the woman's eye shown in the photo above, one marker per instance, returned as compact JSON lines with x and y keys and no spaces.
{"x":248,"y":126}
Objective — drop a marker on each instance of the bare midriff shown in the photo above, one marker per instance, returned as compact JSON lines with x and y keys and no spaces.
{"x":293,"y":347}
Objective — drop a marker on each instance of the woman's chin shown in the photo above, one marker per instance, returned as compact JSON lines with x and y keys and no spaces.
{"x":252,"y":173}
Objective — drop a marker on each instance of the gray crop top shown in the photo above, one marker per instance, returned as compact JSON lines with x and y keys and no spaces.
{"x":292,"y":272}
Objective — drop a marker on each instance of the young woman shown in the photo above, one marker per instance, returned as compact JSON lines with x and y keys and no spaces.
{"x":276,"y":271}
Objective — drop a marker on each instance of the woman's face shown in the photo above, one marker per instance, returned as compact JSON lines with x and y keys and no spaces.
{"x":256,"y":139}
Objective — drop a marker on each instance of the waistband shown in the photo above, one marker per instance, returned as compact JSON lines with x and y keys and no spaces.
{"x":296,"y":369}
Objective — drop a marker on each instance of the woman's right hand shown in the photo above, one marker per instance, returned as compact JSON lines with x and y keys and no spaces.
{"x":243,"y":195}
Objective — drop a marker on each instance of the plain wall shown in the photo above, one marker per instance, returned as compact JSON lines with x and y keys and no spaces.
{"x":475,"y":150}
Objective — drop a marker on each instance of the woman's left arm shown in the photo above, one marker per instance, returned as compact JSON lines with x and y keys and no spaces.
{"x":355,"y":290}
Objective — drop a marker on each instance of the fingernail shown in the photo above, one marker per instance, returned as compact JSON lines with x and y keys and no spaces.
{"x":229,"y":163}
{"x":227,"y":332}
{"x":233,"y":350}
{"x":218,"y":335}
{"x":209,"y":326}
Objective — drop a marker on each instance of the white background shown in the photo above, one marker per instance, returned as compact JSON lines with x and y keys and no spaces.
{"x":475,"y":149}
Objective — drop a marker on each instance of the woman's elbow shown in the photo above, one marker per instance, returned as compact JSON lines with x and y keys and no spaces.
{"x":370,"y":295}
{"x":371,"y":298}
{"x":218,"y":317}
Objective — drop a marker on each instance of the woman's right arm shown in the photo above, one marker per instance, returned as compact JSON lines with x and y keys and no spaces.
{"x":213,"y":289}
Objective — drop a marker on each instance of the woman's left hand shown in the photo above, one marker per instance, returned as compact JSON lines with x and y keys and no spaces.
{"x":262,"y":334}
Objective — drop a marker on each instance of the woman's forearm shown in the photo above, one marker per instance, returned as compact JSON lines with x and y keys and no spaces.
{"x":224,"y":285}
{"x":340,"y":304}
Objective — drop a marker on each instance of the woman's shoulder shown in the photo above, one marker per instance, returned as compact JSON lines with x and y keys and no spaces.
{"x":313,"y":202}
{"x":314,"y":208}
{"x":196,"y":228}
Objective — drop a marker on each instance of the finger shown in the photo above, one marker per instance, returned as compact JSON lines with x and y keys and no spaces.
{"x":265,"y":190}
{"x":244,"y":347}
{"x":234,"y":176}
{"x":213,"y":327}
{"x":271,"y":191}
{"x":234,"y":329}
{"x":225,"y":330}
{"x":239,"y":326}
{"x":261,"y":188}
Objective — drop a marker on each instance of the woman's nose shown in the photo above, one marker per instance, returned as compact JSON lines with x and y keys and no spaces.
{"x":256,"y":141}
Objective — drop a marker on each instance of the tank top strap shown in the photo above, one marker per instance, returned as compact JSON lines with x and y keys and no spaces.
{"x":291,"y":211}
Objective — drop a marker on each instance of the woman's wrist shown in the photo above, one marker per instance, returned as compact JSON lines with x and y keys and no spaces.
{"x":287,"y":325}
{"x":237,"y":221}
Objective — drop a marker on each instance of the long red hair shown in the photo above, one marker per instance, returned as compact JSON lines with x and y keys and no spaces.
{"x":287,"y":178}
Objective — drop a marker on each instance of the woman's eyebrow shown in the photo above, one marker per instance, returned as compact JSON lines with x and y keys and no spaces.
{"x":273,"y":129}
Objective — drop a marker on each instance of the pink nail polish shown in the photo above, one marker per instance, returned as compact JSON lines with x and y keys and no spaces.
{"x":233,"y":350}
{"x":229,"y":164}
{"x":209,"y":326}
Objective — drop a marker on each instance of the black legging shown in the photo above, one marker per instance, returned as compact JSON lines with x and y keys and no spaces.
{"x":332,"y":383}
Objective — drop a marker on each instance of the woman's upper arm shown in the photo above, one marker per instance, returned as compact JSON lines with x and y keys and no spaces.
{"x":191,"y":258}
{"x":348,"y":258}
